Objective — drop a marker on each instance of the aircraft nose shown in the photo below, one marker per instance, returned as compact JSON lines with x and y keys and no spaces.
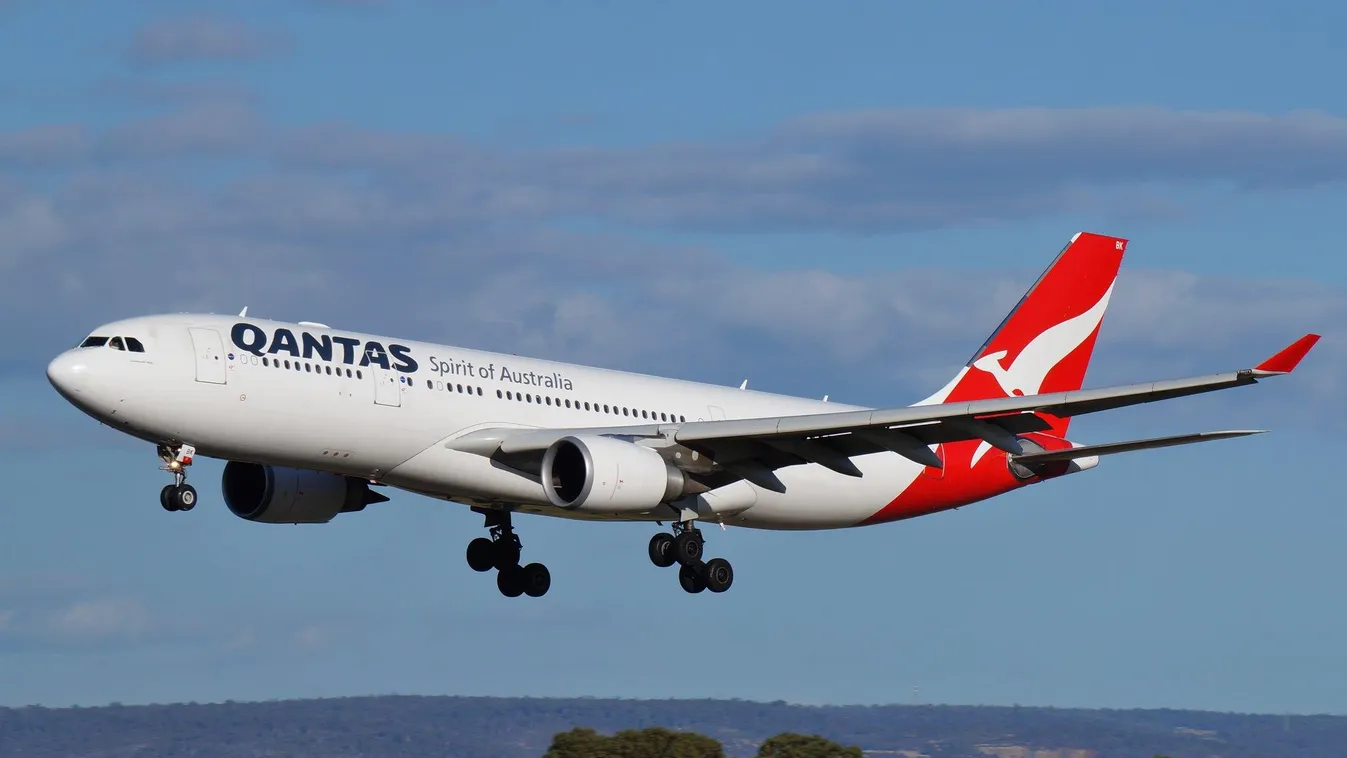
{"x":68,"y":373}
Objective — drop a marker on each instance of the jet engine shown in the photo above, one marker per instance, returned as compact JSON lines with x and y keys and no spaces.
{"x":279,"y":495}
{"x":593,"y":474}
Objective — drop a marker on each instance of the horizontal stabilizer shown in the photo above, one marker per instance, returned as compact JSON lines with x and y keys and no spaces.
{"x":1049,"y":456}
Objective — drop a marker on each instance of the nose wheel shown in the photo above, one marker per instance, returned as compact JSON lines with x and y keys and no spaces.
{"x":178,"y":496}
{"x":685,"y":547}
{"x":502,"y":552}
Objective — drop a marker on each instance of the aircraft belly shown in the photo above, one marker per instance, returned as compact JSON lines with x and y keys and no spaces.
{"x":819,"y":498}
{"x":455,"y":475}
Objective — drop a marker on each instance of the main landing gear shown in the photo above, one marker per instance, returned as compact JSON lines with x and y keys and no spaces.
{"x":501,"y":552}
{"x":684,"y":547}
{"x":178,"y":496}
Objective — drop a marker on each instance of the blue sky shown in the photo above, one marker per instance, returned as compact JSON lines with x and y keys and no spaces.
{"x":839,"y":200}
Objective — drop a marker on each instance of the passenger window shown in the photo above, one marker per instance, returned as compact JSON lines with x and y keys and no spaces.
{"x":94,"y":342}
{"x":134,"y":345}
{"x":662,"y":417}
{"x":116,"y":344}
{"x":498,"y":395}
{"x":479,"y":392}
{"x":624,"y":412}
{"x":549,"y":400}
{"x":287,"y":364}
{"x":460,"y":388}
{"x":358,"y":374}
{"x":586,"y":405}
{"x":430,"y":385}
{"x":329,"y":370}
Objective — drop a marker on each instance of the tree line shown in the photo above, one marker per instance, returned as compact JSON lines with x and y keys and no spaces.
{"x":658,"y":742}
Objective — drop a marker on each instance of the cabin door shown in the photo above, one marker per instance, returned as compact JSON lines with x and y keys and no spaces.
{"x":209,"y":351}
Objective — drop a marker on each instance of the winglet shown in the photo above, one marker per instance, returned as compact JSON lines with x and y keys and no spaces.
{"x":1286,"y":361}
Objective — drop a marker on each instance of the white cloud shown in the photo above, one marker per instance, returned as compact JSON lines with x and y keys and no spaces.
{"x":97,"y":621}
{"x":197,"y":39}
{"x":39,"y":145}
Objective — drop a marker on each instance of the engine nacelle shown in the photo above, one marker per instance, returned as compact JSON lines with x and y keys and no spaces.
{"x":593,"y":474}
{"x":280,"y":495}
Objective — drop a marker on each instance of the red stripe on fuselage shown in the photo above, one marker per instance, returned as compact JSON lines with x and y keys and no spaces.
{"x":962,"y":482}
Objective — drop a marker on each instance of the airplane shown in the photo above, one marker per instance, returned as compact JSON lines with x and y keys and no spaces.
{"x":313,"y":421}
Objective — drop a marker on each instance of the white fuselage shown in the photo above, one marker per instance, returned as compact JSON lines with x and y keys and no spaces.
{"x":324,"y":402}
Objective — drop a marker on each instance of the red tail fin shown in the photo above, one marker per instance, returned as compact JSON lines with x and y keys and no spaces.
{"x":1045,"y":344}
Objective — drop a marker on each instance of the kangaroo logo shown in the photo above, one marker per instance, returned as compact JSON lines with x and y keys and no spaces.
{"x":1026,"y":373}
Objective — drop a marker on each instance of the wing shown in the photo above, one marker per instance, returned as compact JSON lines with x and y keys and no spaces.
{"x":753,"y":448}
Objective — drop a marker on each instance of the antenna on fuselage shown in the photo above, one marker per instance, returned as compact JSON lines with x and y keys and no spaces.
{"x":825,"y":398}
{"x":744,"y":386}
{"x":243,"y":312}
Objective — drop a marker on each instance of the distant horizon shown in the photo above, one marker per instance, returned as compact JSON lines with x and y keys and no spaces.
{"x":786,"y":703}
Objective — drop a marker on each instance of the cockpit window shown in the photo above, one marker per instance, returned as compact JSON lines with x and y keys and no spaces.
{"x":134,"y":345}
{"x":94,"y":341}
{"x":116,"y":344}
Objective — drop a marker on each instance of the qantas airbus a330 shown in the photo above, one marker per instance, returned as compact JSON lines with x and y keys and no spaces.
{"x":311,"y":419}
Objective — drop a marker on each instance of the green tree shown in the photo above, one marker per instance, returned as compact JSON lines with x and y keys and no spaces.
{"x":578,"y":743}
{"x":655,"y":742}
{"x":805,"y":746}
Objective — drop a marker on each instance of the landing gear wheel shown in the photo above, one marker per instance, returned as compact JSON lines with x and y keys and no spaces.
{"x":691,"y":580}
{"x":718,"y":575}
{"x":662,"y":550}
{"x":688,"y":547}
{"x":506,"y":553}
{"x":482,"y":554}
{"x":178,"y":497}
{"x":535,"y":579}
{"x":510,"y":581}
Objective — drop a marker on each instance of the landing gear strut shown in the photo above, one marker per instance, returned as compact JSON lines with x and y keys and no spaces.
{"x":684,"y":547}
{"x":501,"y":552}
{"x":178,"y":496}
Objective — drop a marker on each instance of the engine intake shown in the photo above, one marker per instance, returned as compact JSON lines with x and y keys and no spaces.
{"x":280,"y":495}
{"x":594,"y":474}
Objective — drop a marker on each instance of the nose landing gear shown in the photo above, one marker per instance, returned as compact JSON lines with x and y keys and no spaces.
{"x":179,"y":496}
{"x":502,"y":552}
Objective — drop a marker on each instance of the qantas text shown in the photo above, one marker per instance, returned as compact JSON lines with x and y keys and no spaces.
{"x":254,"y":339}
